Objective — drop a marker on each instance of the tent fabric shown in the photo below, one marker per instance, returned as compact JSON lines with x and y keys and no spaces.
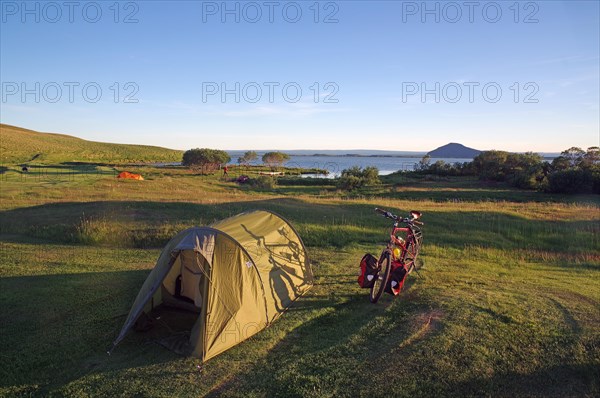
{"x":239,"y":274}
{"x":131,"y":176}
{"x":278,"y":253}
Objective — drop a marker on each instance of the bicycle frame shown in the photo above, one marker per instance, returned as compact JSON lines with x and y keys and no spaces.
{"x":402,"y":244}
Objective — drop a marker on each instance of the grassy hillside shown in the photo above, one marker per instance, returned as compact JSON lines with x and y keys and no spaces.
{"x":507,"y":305}
{"x":19,"y":145}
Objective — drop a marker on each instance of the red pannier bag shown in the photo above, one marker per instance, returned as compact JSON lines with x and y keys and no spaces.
{"x":396,"y":280}
{"x":368,"y":271}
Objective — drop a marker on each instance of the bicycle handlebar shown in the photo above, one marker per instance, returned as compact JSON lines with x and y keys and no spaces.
{"x":408,"y":220}
{"x":386,"y":213}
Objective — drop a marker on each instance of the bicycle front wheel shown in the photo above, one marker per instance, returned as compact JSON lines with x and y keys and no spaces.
{"x":410,"y":256}
{"x":382,"y":277}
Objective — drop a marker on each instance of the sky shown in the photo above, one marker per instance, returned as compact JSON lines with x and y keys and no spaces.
{"x":388,"y":75}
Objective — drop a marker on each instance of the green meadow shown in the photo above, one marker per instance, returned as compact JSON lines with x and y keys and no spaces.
{"x":507,"y":304}
{"x":21,"y":145}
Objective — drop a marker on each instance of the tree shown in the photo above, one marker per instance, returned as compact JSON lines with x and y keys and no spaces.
{"x":575,"y":171}
{"x":489,"y":165}
{"x":424,"y":163}
{"x":205,"y":160}
{"x":275,"y":159}
{"x":591,"y":158}
{"x":573,"y":180}
{"x":524,"y":170}
{"x":248,"y":157}
{"x":569,"y":159}
{"x":442,"y":168}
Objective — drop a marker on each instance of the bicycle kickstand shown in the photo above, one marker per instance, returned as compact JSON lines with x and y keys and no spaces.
{"x":417,"y":271}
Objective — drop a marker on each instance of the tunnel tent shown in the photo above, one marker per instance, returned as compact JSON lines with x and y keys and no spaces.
{"x":237,"y":275}
{"x":130,"y":176}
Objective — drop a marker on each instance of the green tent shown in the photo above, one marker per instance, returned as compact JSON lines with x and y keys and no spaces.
{"x":237,"y":276}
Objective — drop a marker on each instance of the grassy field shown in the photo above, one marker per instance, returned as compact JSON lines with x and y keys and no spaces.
{"x":19,"y":145}
{"x":508,"y":303}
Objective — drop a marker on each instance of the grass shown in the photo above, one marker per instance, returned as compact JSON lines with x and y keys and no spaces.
{"x":507,"y":306}
{"x":20,"y":145}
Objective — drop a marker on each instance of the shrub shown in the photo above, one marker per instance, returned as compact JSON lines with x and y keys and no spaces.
{"x":575,"y":171}
{"x":443,"y":169}
{"x":355,"y":177}
{"x":572,"y":181}
{"x":522,"y":170}
{"x":263,"y":182}
{"x":489,"y":165}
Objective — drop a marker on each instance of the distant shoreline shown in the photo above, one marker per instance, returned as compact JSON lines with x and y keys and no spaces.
{"x":545,"y":156}
{"x":357,"y":155}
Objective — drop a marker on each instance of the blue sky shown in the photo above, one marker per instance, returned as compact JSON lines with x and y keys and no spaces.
{"x":372,"y":74}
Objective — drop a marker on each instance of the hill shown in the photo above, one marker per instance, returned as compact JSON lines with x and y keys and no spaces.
{"x":19,"y":145}
{"x":454,"y":150}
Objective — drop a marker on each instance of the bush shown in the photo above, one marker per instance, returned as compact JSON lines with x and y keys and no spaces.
{"x":355,"y":177}
{"x":525,"y":180}
{"x":263,"y":182}
{"x":575,"y":171}
{"x":522,"y":170}
{"x":490,"y":165}
{"x":572,"y":181}
{"x":443,"y":169}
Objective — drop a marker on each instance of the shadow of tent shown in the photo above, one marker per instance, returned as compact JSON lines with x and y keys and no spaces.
{"x":332,"y":349}
{"x":68,"y":320}
{"x":319,"y":334}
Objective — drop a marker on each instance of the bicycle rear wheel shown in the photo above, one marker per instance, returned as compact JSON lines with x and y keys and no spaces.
{"x":382,"y":277}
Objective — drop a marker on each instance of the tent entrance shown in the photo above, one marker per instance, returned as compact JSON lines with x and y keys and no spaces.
{"x":183,"y":287}
{"x":176,"y":310}
{"x":172,"y":328}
